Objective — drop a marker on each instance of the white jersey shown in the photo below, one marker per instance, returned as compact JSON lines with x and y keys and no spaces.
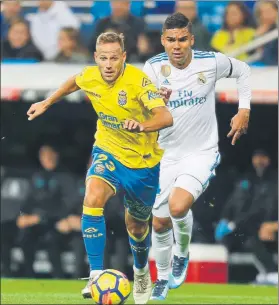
{"x":192,"y":102}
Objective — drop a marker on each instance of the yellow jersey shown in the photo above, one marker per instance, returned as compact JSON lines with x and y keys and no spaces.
{"x":131,"y":96}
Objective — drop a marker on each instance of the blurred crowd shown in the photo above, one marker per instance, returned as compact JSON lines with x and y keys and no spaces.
{"x":42,"y":210}
{"x":53,"y":32}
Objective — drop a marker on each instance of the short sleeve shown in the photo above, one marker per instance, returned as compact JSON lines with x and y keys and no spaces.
{"x":149,"y":95}
{"x":83,"y":77}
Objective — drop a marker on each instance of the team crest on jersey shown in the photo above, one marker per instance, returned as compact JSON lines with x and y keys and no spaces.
{"x":145,"y":82}
{"x":99,"y":169}
{"x":122,"y":98}
{"x":166,"y":70}
{"x":201,"y":78}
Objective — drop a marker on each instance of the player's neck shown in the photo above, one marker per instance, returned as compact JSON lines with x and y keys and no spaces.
{"x":184,"y":65}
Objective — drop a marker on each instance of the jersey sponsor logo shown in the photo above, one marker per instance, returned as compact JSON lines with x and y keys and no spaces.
{"x":122,"y":98}
{"x":153,"y":95}
{"x":201,"y":78}
{"x":96,"y":94}
{"x":93,"y":94}
{"x":99,"y":169}
{"x":166,"y":70}
{"x":109,"y":121}
{"x":185,"y":93}
{"x":145,"y":82}
{"x":186,"y":99}
{"x":186,"y":102}
{"x":166,"y":82}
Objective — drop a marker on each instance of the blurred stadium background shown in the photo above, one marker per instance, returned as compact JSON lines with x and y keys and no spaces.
{"x":43,"y":163}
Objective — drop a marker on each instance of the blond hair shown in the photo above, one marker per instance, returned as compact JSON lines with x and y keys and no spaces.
{"x":111,"y":37}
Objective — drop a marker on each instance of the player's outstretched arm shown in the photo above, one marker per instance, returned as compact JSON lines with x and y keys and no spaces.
{"x":39,"y":108}
{"x":161,"y":119}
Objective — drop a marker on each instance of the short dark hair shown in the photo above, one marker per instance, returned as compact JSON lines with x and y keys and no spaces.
{"x":177,"y":21}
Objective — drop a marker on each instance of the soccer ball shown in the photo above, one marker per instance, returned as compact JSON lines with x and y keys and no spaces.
{"x":110,"y":287}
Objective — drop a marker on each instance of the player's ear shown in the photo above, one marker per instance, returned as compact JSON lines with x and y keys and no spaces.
{"x":124,"y":56}
{"x":192,"y":40}
{"x":163,"y":40}
{"x":95,"y":56}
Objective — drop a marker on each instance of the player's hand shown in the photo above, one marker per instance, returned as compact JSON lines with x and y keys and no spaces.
{"x":239,"y":124}
{"x":165,"y":94}
{"x":133,"y":126}
{"x":37,"y":109}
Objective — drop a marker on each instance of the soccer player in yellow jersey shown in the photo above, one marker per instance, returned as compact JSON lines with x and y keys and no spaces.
{"x":125,"y":155}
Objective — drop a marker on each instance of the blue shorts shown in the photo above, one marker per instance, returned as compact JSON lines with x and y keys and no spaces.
{"x":139,"y":185}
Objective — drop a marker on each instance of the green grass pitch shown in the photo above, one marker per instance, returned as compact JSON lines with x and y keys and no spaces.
{"x":20,"y":291}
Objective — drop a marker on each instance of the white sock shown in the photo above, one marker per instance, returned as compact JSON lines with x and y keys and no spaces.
{"x":182,"y":229}
{"x":162,"y":244}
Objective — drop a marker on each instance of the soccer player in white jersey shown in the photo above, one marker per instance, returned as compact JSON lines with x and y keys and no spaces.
{"x":186,"y":78}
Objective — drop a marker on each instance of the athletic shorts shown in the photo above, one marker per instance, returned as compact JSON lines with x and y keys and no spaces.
{"x":191,"y":173}
{"x":139,"y":185}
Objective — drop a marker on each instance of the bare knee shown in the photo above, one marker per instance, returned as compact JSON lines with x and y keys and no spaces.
{"x":97,"y":193}
{"x":180,"y":202}
{"x":178,"y":211}
{"x":94,"y":200}
{"x":137,"y":230}
{"x":161,"y":225}
{"x":135,"y":227}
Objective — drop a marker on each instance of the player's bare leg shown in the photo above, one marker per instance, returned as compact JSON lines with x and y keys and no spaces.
{"x":162,"y":242}
{"x":180,"y":202}
{"x":139,"y":238}
{"x":93,"y":227}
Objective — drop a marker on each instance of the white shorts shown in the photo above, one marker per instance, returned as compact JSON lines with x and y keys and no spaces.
{"x":191,"y":173}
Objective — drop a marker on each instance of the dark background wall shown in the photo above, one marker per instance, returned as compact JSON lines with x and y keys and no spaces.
{"x":71,"y":128}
